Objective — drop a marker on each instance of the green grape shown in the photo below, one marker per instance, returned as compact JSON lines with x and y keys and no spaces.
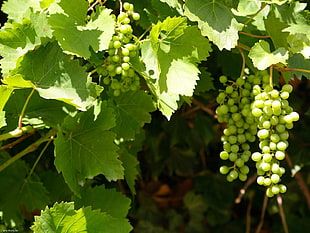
{"x":223,"y":79}
{"x":224,"y":170}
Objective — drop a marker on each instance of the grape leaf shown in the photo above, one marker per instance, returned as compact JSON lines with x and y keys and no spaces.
{"x":16,"y":39}
{"x":107,"y":200}
{"x":171,"y":59}
{"x":56,"y":76}
{"x":262,"y":57}
{"x":274,"y":27}
{"x":85,"y":147}
{"x":132,"y":112}
{"x":297,"y":61}
{"x":63,"y":218}
{"x":73,"y":33}
{"x":215,"y":20}
{"x":17,"y":9}
{"x":39,"y":111}
{"x":16,"y":190}
{"x":131,"y":172}
{"x":299,"y":43}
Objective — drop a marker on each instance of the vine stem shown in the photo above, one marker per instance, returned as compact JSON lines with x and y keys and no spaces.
{"x":22,"y":113}
{"x":39,"y":157}
{"x":10,"y":145}
{"x":270,"y":76}
{"x":292,"y":69}
{"x":243,"y":61}
{"x":29,"y":149}
{"x":242,"y":191}
{"x":16,"y":133}
{"x":282,"y":214}
{"x":251,"y":35}
{"x":261,"y":221}
{"x":253,"y":16}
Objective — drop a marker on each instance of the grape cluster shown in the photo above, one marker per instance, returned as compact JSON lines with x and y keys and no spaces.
{"x":251,"y":109}
{"x":235,"y":111}
{"x":116,"y":69}
{"x":274,"y":116}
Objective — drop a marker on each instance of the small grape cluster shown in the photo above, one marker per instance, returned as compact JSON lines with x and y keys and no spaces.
{"x":274,"y":116}
{"x":241,"y":129}
{"x":116,"y":69}
{"x":252,"y":108}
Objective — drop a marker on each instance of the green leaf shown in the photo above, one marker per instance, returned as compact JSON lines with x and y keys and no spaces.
{"x":205,"y":83}
{"x":74,"y":35}
{"x":16,"y":39}
{"x":297,"y":61}
{"x":17,"y":191}
{"x":39,"y":111}
{"x":299,"y":43}
{"x":107,"y":200}
{"x":16,"y":9}
{"x":171,"y":60}
{"x":262,"y":57}
{"x":85,"y":147}
{"x":63,"y":218}
{"x":132,"y":111}
{"x":215,"y":20}
{"x":131,"y":165}
{"x":103,"y":21}
{"x":274,"y":27}
{"x":56,"y":76}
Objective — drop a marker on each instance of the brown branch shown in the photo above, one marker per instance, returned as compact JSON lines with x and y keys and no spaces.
{"x":282,"y":214}
{"x":300,"y":181}
{"x":251,"y":35}
{"x":242,"y":191}
{"x":261,"y":221}
{"x":248,"y":216}
{"x":204,"y":108}
{"x":10,"y":145}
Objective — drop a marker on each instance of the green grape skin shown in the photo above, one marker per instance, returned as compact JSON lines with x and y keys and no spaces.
{"x":136,"y":16}
{"x":223,"y":79}
{"x":224,"y":155}
{"x":275,"y":178}
{"x":224,"y":170}
{"x":233,"y":174}
{"x":287,"y":88}
{"x":242,"y":177}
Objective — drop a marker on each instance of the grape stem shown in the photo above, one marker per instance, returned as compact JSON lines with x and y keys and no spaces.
{"x":95,"y":3}
{"x":243,"y":46}
{"x":251,"y":35}
{"x":20,"y":119}
{"x":292,"y":69}
{"x":270,"y":76}
{"x":243,"y":62}
{"x":253,"y":16}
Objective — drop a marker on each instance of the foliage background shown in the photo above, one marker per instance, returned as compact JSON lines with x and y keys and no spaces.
{"x":179,"y":188}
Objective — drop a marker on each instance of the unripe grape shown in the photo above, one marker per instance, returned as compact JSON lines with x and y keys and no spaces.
{"x":239,"y":162}
{"x":269,"y":192}
{"x":136,"y":16}
{"x":275,"y":189}
{"x":242,"y":177}
{"x":282,"y":188}
{"x":224,"y":155}
{"x":275,"y":178}
{"x":260,"y":180}
{"x":256,"y":156}
{"x":233,"y":174}
{"x":263,"y":133}
{"x":267,"y":181}
{"x":287,"y":88}
{"x":285,"y":95}
{"x":224,"y":170}
{"x":279,"y":155}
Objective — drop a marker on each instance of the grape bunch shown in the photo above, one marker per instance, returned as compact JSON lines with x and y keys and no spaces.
{"x":251,"y":109}
{"x":116,"y":70}
{"x":274,"y":117}
{"x":235,"y":111}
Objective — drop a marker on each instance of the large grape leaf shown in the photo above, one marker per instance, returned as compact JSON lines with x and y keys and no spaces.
{"x":216,"y":21}
{"x":56,"y":76}
{"x":262,"y":57}
{"x":74,"y":34}
{"x":17,"y":191}
{"x":107,"y":200}
{"x":85,"y":147}
{"x":132,"y":110}
{"x":17,"y":38}
{"x":62,"y":217}
{"x":171,"y":59}
{"x":17,"y":9}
